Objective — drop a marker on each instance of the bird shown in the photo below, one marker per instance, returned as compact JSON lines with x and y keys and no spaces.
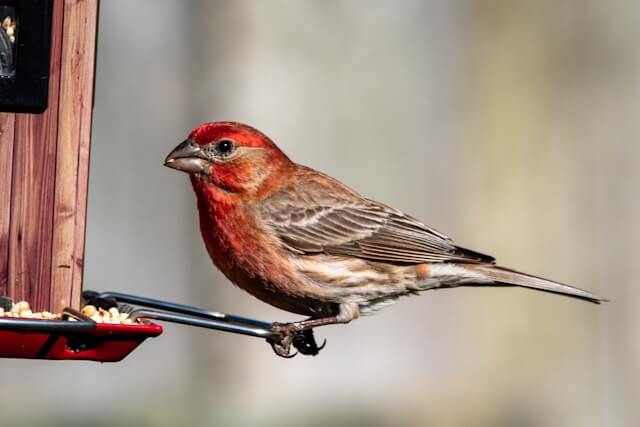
{"x":306,"y":243}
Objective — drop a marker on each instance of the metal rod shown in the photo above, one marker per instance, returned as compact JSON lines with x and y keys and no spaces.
{"x":184,"y":309}
{"x":12,"y":323}
{"x":218,"y":324}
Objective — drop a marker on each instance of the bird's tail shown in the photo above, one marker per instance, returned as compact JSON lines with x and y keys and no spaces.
{"x":491,"y":275}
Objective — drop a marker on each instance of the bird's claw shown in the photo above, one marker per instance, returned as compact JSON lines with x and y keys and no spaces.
{"x":291,"y":335}
{"x":305,"y":343}
{"x":281,"y":343}
{"x":283,"y":349}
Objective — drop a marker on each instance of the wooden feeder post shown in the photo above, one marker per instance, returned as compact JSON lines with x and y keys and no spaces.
{"x":44,"y":166}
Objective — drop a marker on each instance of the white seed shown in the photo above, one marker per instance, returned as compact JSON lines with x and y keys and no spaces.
{"x":88,"y":310}
{"x":98,"y":315}
{"x":21,"y":306}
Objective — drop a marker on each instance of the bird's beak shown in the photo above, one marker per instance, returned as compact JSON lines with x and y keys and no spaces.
{"x":188,"y":157}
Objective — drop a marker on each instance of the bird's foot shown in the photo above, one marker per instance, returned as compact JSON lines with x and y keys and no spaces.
{"x":292,"y":334}
{"x":281,"y":344}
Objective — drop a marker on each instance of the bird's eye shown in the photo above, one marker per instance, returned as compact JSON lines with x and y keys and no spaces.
{"x":225,"y":147}
{"x":219,"y":150}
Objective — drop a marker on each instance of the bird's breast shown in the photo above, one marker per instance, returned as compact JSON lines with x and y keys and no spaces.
{"x":243,"y":247}
{"x":231,"y":238}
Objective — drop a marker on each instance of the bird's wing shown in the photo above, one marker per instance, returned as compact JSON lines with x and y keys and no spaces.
{"x":324,"y":216}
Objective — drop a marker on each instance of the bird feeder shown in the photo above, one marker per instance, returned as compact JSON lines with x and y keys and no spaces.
{"x":44,"y":152}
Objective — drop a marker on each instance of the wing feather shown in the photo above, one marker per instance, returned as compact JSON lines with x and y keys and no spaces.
{"x":318,"y":214}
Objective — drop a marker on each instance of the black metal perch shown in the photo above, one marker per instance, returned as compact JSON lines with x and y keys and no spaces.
{"x":155,"y":309}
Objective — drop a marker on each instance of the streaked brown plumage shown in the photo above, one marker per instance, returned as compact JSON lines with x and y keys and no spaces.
{"x":304,"y":242}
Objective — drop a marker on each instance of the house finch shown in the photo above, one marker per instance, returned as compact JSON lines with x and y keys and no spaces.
{"x":306,"y":243}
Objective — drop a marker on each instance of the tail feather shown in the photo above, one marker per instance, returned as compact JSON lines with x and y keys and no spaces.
{"x":506,"y":276}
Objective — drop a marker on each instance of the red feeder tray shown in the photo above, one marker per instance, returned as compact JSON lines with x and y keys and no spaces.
{"x":79,"y":340}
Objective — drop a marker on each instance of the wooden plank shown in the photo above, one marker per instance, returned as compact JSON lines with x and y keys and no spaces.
{"x":74,"y":137}
{"x":7,"y":121}
{"x":32,"y":194}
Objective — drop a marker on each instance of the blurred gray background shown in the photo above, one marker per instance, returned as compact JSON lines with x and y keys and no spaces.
{"x":510,"y":125}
